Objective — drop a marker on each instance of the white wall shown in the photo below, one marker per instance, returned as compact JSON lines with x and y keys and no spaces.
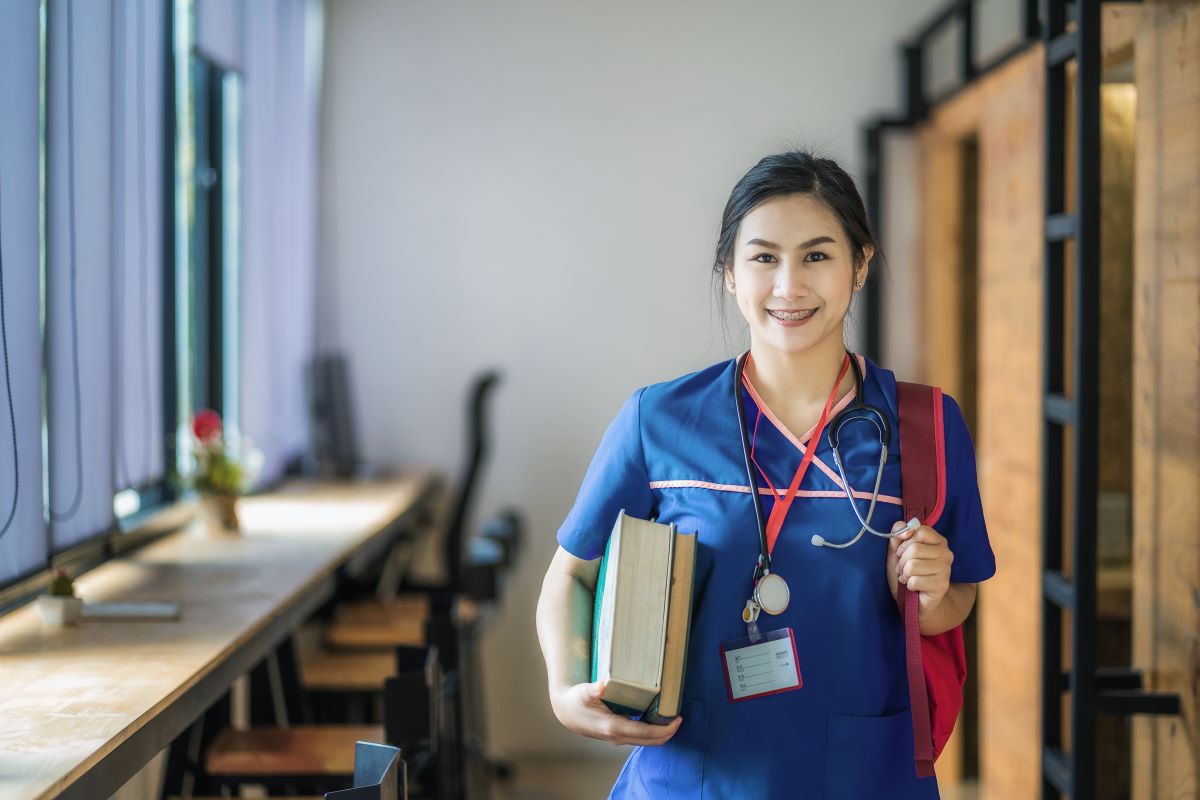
{"x":538,"y":186}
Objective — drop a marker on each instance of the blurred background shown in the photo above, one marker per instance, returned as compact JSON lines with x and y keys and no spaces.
{"x":201,"y":199}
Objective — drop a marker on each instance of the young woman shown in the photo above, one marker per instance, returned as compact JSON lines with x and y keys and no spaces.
{"x":834,"y":720}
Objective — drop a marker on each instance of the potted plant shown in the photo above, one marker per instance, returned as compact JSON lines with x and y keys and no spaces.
{"x":61,"y":606}
{"x":222,"y":468}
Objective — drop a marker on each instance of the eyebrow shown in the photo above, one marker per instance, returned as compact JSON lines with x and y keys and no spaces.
{"x":803,"y":245}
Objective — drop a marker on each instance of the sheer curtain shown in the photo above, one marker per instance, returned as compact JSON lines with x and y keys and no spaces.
{"x":23,"y":546}
{"x":79,"y":269}
{"x":282,"y":43}
{"x":139,"y":69}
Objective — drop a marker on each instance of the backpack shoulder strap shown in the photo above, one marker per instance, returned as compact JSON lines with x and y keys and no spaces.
{"x":922,"y":451}
{"x":923,"y":488}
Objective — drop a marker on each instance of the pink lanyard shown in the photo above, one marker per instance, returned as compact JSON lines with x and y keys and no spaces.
{"x":780,"y":510}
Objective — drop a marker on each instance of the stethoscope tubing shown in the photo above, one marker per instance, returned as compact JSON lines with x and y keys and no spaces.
{"x":860,"y":410}
{"x":764,"y":556}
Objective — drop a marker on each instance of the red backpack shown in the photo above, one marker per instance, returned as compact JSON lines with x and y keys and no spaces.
{"x":937,"y":665}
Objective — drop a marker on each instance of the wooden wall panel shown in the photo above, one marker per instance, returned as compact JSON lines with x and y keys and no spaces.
{"x":1118,"y":102}
{"x":1004,"y":113}
{"x":1166,"y":583}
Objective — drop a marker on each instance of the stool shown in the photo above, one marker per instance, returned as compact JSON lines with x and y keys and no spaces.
{"x":322,"y":756}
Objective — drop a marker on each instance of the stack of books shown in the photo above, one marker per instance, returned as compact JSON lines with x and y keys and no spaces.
{"x":642,"y":618}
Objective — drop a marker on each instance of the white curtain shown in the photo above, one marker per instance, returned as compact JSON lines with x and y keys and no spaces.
{"x":139,"y":69}
{"x":279,"y":226}
{"x":218,"y":37}
{"x":23,"y":547}
{"x":79,"y":269}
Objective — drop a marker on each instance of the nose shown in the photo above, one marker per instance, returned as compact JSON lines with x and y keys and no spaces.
{"x":790,"y":280}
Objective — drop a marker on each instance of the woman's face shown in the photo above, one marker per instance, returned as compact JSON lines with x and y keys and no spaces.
{"x":793,"y":273}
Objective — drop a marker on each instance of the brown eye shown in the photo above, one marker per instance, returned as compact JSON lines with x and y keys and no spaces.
{"x":761,"y":256}
{"x":816,"y":256}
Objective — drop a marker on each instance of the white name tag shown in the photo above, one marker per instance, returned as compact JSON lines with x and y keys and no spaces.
{"x":761,"y":668}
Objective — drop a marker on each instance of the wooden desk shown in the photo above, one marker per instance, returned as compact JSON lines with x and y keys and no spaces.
{"x":83,"y":709}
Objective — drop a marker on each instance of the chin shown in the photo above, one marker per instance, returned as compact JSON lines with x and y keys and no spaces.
{"x":797,"y":340}
{"x":793,"y":345}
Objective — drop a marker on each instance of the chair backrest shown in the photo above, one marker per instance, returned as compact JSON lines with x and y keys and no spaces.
{"x":334,"y":431}
{"x":409,"y":704}
{"x":505,"y":528}
{"x":378,"y":774}
{"x":477,"y":450}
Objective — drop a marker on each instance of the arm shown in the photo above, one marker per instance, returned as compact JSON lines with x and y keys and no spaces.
{"x":951,"y":612}
{"x":564,"y":626}
{"x":564,"y":619}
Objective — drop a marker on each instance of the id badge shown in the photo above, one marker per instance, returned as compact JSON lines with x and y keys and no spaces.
{"x":762,"y":668}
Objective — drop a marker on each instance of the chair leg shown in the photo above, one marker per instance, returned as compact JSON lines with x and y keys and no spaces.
{"x":295,"y":698}
{"x":185,"y":773}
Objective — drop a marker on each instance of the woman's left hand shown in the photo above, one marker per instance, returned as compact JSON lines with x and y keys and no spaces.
{"x":922,"y":559}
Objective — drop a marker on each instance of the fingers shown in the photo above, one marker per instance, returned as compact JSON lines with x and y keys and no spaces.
{"x":916,"y":550}
{"x":623,"y":731}
{"x":925,"y":534}
{"x":923,"y":538}
{"x":596,"y":720}
{"x":922,"y":568}
{"x":932,"y":585}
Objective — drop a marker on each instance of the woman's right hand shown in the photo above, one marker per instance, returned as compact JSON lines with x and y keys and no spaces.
{"x":580,"y":709}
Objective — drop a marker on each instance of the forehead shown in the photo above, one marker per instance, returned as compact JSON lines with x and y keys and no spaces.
{"x":789,"y":220}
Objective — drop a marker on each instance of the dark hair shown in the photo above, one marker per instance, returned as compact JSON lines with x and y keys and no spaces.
{"x":795,"y":172}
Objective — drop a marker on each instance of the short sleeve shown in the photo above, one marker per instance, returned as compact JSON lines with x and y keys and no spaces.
{"x":962,"y":520}
{"x":615,"y":480}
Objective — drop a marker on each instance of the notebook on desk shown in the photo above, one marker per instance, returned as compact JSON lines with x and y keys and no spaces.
{"x":135,"y":610}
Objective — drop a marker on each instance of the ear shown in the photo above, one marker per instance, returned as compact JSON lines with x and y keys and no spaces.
{"x":729,"y":284}
{"x":863,"y":267}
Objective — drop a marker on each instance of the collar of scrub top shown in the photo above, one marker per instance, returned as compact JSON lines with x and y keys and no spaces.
{"x":859,"y":409}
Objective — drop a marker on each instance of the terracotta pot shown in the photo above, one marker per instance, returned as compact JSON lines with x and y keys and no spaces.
{"x":57,"y":610}
{"x":222,"y":511}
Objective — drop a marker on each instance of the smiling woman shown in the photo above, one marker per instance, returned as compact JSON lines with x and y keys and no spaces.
{"x":793,"y":249}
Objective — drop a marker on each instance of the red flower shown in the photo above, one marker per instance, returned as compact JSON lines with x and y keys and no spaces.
{"x":206,"y":425}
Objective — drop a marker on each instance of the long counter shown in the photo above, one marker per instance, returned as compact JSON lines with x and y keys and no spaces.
{"x":83,"y":708}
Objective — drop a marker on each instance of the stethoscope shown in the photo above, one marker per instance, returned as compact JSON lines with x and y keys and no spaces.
{"x":771,"y":592}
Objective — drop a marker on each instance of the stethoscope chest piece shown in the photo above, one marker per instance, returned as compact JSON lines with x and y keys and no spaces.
{"x":772,"y":594}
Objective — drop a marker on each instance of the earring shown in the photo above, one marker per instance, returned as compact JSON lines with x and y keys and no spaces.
{"x":858,"y":285}
{"x":731,"y":285}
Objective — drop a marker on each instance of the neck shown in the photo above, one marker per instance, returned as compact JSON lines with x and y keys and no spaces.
{"x":806,"y":377}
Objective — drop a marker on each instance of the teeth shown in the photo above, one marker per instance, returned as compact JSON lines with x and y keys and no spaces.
{"x":792,"y":316}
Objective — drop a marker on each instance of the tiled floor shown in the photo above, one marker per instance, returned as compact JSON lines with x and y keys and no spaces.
{"x":572,"y":778}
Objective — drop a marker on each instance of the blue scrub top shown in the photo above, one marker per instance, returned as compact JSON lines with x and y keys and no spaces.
{"x":674,"y":452}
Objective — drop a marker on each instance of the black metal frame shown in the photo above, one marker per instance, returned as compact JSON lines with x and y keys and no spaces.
{"x":209,"y":276}
{"x":1092,"y":691}
{"x":917,"y":105}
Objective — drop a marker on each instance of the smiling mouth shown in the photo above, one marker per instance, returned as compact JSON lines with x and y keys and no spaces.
{"x":792,"y":316}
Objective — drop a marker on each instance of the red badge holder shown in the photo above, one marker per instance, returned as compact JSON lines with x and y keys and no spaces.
{"x":761,"y":668}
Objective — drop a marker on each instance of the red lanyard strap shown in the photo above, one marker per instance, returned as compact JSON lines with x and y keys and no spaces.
{"x":780,"y":510}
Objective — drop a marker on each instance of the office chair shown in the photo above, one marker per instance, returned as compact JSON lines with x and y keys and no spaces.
{"x":319,"y":756}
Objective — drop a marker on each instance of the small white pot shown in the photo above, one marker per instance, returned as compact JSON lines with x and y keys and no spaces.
{"x":59,"y":611}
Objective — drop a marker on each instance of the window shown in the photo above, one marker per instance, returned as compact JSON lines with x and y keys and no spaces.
{"x":207,"y":272}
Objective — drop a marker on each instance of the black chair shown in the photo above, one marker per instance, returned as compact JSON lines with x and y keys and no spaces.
{"x":379,"y":774}
{"x":472,"y":572}
{"x":315,"y":757}
{"x":478,"y":447}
